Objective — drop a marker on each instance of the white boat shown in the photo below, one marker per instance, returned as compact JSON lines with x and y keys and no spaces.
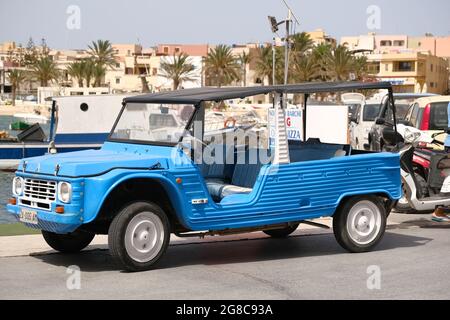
{"x":31,"y":118}
{"x":77,"y":123}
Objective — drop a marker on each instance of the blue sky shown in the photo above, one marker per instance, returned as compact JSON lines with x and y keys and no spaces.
{"x":208,"y":21}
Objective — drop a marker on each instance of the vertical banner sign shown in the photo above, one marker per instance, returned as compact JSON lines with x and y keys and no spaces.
{"x":272,"y":128}
{"x":294,"y":124}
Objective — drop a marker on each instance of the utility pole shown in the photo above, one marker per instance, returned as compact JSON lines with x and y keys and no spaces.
{"x":286,"y":48}
{"x":274,"y":26}
{"x":273,"y":59}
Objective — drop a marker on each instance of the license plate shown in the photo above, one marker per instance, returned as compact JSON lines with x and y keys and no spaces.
{"x":446,"y":185}
{"x":28,"y":216}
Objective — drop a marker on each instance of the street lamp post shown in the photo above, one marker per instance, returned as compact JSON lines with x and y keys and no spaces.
{"x":274,"y":26}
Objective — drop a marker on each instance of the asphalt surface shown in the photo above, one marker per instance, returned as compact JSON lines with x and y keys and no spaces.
{"x":413,"y":262}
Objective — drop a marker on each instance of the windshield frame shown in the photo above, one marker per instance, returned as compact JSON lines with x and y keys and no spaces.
{"x":148,"y":142}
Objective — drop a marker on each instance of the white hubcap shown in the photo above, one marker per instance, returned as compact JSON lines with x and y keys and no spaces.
{"x":364,"y":222}
{"x":144,"y":237}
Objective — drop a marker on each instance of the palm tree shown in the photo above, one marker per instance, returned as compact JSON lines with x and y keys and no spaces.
{"x":178,"y":69}
{"x":301,"y":43}
{"x":339,"y":63}
{"x":304,"y":68}
{"x":89,"y":66}
{"x":359,"y":67}
{"x":264,"y":66}
{"x":45,"y":70}
{"x":16,"y":77}
{"x":221,"y":66}
{"x":102,"y":53}
{"x":244,"y":60}
{"x":99,"y":72}
{"x":76,"y":70}
{"x":320,"y":53}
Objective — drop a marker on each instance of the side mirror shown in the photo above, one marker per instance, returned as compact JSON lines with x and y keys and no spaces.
{"x":380,"y":121}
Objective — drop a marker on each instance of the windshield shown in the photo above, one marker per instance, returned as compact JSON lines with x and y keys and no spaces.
{"x":371,"y":111}
{"x":153,"y":123}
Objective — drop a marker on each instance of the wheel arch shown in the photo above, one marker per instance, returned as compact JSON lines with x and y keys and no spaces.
{"x":130,"y":188}
{"x":384,"y":196}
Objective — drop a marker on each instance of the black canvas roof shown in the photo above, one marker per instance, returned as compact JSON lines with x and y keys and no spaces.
{"x":197,"y":95}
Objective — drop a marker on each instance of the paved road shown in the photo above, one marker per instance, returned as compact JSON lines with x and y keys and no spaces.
{"x":413,"y":260}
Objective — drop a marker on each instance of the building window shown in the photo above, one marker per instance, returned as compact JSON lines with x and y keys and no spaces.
{"x":129,"y":52}
{"x":431,"y":68}
{"x":129,"y":71}
{"x":117,"y":65}
{"x":166,"y":50}
{"x":404,"y":66}
{"x":373,"y":67}
{"x":386,"y":43}
{"x":117,"y":80}
{"x":399,"y":43}
{"x":386,"y":67}
{"x":177,"y":50}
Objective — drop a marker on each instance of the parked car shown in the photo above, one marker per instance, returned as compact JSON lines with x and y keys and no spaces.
{"x":141,"y":187}
{"x":385,"y":119}
{"x":361,"y":122}
{"x":429,"y":114}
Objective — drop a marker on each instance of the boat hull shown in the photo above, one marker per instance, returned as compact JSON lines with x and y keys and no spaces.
{"x":12,"y":153}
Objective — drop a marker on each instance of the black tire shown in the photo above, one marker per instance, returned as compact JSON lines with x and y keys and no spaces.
{"x":68,"y":243}
{"x":341,"y":229}
{"x":406,"y":207}
{"x":118,"y":231}
{"x":281,"y":233}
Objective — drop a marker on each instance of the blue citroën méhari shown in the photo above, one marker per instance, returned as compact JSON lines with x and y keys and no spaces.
{"x":146,"y":183}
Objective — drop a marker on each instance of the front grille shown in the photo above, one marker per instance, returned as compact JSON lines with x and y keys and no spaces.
{"x":39,"y":193}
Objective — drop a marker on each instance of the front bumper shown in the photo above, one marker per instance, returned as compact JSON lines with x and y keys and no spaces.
{"x":48,"y":220}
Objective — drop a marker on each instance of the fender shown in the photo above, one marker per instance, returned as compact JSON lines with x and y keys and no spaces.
{"x":104,"y":185}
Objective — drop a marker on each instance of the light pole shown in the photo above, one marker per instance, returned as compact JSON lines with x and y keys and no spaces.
{"x":274,"y":26}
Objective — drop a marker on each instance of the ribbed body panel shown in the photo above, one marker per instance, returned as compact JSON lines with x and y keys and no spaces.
{"x":292,"y":192}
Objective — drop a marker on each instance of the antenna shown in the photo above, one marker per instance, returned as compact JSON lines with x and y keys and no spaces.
{"x":292,"y":11}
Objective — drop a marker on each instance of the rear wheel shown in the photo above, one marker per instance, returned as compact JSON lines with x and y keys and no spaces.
{"x":360,"y":223}
{"x":139,"y":235}
{"x":281,"y":233}
{"x":70,"y":242}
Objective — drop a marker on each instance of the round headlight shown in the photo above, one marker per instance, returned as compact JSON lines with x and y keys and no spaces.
{"x":18,"y":186}
{"x":64,"y":192}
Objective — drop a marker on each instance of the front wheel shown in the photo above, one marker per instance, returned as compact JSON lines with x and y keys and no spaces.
{"x":360,"y":223}
{"x":68,"y":243}
{"x":139,"y":235}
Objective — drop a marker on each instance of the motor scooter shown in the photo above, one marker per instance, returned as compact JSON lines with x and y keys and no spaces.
{"x":422,"y":195}
{"x":429,"y":178}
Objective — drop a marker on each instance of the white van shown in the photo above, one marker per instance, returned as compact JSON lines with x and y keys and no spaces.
{"x":362,"y":118}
